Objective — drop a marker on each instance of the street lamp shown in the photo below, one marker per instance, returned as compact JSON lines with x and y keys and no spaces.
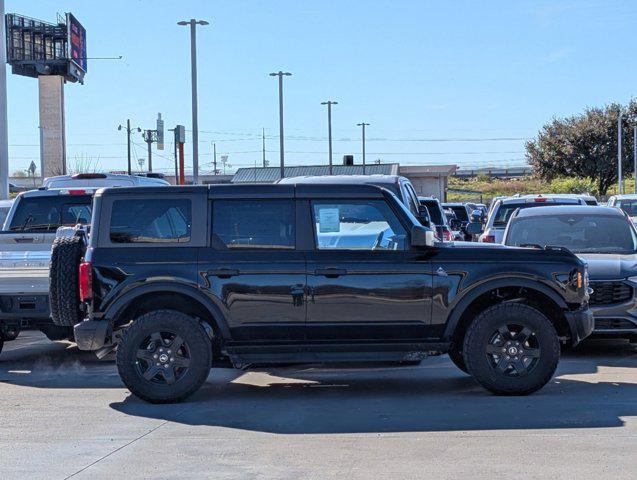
{"x":193,"y":73}
{"x":329,"y":104}
{"x":281,"y":74}
{"x":363,"y":124}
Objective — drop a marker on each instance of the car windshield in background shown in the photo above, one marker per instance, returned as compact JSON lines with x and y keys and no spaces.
{"x":628,"y":206}
{"x":461,"y":213}
{"x":506,"y":210}
{"x":3,"y":214}
{"x":578,"y":233}
{"x":435,"y":214}
{"x":47,"y":213}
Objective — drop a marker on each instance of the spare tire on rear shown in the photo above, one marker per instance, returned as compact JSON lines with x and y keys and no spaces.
{"x":64,"y":296}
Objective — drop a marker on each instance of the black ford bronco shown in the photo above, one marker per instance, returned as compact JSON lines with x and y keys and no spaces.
{"x":177,"y":279}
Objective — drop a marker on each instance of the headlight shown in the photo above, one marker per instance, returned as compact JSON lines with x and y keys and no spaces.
{"x":632,"y":279}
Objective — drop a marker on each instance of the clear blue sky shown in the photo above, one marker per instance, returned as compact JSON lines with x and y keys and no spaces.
{"x":416,"y":70}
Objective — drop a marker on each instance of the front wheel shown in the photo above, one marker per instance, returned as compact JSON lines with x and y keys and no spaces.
{"x":164,"y":356}
{"x":511,"y":349}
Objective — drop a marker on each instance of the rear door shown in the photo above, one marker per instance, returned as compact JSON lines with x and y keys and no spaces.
{"x":364,"y":283}
{"x":253,"y":270}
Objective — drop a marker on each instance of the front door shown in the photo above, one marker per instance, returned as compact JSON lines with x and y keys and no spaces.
{"x":253,"y":271}
{"x":364,"y":283}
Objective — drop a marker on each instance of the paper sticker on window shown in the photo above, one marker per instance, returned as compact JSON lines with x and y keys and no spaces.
{"x":329,"y":220}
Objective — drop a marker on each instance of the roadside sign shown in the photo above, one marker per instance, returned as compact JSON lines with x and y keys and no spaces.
{"x":180,"y":134}
{"x":32,"y":168}
{"x":160,"y":132}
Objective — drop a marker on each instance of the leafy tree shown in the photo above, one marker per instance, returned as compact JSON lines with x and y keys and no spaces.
{"x":585,"y":145}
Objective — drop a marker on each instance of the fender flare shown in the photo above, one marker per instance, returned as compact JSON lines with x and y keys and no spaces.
{"x":121,"y":303}
{"x":469,"y":296}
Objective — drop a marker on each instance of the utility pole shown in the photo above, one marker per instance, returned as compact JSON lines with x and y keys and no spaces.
{"x":363,"y":124}
{"x":265,"y":162}
{"x":193,"y":75}
{"x":128,"y":132}
{"x":214,"y":159}
{"x":329,"y":104}
{"x":4,"y":133}
{"x":150,"y":136}
{"x":619,"y":153}
{"x":281,"y":74}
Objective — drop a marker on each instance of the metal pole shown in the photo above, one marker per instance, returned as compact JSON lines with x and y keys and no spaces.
{"x":619,"y":154}
{"x":363,"y":124}
{"x":4,"y":133}
{"x":281,"y":142}
{"x":635,"y":157}
{"x":176,"y":160}
{"x":195,"y":126}
{"x":128,"y":145}
{"x":263,"y":146}
{"x":150,"y":151}
{"x":214,"y":158}
{"x":329,"y":104}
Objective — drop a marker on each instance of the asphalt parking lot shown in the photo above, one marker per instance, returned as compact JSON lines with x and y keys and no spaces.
{"x":66,"y":414}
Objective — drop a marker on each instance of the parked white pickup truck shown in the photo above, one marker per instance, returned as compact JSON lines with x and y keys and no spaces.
{"x":25,"y":247}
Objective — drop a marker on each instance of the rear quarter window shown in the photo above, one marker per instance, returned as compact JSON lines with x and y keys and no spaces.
{"x":151,"y":221}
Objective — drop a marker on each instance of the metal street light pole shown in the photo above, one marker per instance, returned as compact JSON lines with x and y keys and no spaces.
{"x":193,"y":74}
{"x":4,"y":134}
{"x":635,"y":156}
{"x":363,"y":125}
{"x":329,"y":104}
{"x":619,"y":154}
{"x":281,"y":74}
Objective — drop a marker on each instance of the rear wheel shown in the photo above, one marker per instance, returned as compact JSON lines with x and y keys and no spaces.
{"x":511,"y":349}
{"x":458,"y":360}
{"x":164,"y":356}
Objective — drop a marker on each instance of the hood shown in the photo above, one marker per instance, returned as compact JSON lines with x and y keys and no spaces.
{"x":609,"y":266}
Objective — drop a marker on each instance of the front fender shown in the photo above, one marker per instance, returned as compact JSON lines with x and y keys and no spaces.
{"x":469,"y":295}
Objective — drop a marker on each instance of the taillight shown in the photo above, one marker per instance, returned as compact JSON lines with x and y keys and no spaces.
{"x":446,"y":235}
{"x":488,"y":239}
{"x":86,"y":281}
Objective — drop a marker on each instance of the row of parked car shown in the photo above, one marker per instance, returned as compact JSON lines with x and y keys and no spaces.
{"x":329,"y":269}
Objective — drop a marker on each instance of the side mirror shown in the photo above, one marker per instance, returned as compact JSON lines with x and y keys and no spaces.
{"x":474,"y":228}
{"x":422,"y":237}
{"x":455,"y":224}
{"x":423,"y":216}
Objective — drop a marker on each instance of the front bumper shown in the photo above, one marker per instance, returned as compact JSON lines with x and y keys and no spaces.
{"x":92,"y":334}
{"x":581,"y":323}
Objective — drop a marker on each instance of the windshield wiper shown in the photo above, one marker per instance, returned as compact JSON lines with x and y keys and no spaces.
{"x":22,"y":227}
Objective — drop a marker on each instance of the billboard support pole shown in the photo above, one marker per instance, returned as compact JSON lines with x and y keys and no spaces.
{"x":182,"y":175}
{"x":4,"y":134}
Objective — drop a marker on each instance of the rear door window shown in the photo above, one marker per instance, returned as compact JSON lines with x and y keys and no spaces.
{"x":255,"y":223}
{"x":151,"y":220}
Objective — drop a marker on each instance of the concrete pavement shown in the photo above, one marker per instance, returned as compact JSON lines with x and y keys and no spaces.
{"x":66,"y":414}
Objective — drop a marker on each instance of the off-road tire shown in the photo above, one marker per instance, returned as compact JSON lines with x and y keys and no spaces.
{"x":64,"y":295}
{"x":477,"y":340}
{"x":194,"y":336}
{"x":457,"y":358}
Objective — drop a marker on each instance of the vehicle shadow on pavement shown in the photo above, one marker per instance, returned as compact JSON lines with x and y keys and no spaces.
{"x":595,"y":387}
{"x":432,"y":397}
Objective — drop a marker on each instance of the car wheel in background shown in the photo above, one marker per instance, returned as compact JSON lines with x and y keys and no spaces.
{"x":164,"y":356}
{"x":511,"y":349}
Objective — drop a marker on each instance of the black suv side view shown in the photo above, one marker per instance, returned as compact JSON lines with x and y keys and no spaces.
{"x":180,"y":278}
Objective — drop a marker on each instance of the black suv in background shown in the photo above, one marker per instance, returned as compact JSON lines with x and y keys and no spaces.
{"x":177,"y":278}
{"x":437,"y":217}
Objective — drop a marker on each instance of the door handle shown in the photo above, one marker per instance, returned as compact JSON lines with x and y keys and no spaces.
{"x":223,"y":272}
{"x":330,"y":272}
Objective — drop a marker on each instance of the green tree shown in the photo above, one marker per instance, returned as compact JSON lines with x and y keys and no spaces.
{"x":585,"y":146}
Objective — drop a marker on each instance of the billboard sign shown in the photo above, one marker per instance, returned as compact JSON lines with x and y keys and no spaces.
{"x":76,"y":42}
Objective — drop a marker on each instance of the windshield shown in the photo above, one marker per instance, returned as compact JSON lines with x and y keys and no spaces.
{"x":47,"y":213}
{"x":505,"y":211}
{"x":628,"y":206}
{"x":435,"y":212}
{"x":3,"y":214}
{"x":578,"y":233}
